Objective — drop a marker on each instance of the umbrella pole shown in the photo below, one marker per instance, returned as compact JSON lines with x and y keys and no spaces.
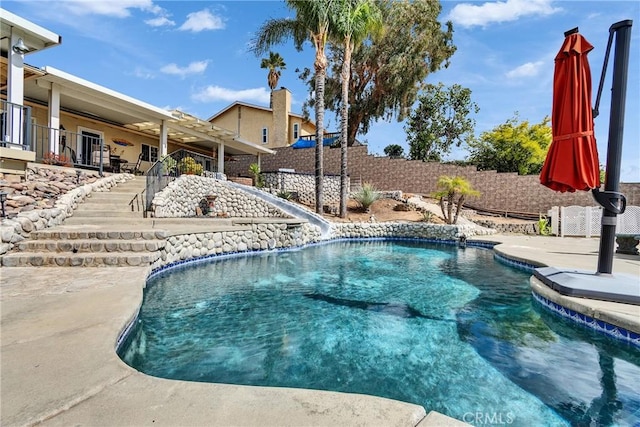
{"x":614,"y":148}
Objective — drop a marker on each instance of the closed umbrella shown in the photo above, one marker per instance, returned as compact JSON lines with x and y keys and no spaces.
{"x":572,"y":160}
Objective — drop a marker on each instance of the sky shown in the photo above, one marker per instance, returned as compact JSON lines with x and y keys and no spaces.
{"x":194,"y":56}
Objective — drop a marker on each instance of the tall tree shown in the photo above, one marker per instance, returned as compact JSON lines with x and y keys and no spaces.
{"x":388,"y":74}
{"x":312,"y":23}
{"x":514,"y":146}
{"x":274,"y":63}
{"x":355,"y":20}
{"x":440,"y":120}
{"x":394,"y":151}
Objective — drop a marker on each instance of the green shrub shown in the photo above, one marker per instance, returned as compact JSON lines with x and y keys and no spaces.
{"x":189,"y":166}
{"x":258,"y":179}
{"x":284,"y":194}
{"x":427,"y":216}
{"x":366,"y":196}
{"x":543,"y":226}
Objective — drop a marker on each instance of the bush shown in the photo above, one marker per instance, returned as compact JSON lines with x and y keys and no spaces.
{"x":189,"y":166}
{"x":427,"y":216}
{"x":169,"y":165}
{"x":284,"y":194}
{"x":366,"y":196}
{"x":258,"y":179}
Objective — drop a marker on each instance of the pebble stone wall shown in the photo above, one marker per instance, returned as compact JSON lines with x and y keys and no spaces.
{"x":15,"y":230}
{"x":305,"y":185}
{"x":181,"y":197}
{"x":406,"y":230}
{"x":258,"y":237}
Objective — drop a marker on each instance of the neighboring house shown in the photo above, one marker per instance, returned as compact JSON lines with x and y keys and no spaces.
{"x":48,"y":115}
{"x":272,"y":127}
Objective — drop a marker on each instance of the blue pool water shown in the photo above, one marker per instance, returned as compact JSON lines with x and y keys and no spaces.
{"x":446,"y":328}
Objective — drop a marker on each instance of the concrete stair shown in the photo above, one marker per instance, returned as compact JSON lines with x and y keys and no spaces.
{"x":102,"y":232}
{"x":113,"y":206}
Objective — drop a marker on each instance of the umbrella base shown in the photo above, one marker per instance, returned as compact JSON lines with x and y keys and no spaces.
{"x":619,"y":287}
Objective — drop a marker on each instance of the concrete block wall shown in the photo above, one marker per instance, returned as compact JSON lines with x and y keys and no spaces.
{"x":507,"y":192}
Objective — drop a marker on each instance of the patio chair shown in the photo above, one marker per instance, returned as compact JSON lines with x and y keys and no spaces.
{"x":133,"y":168}
{"x":106,"y":159}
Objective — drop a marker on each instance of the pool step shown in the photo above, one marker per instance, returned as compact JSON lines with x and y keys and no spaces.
{"x":93,"y":259}
{"x":90,"y":245}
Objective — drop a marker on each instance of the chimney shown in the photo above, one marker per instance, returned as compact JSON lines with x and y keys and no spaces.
{"x":280,"y":117}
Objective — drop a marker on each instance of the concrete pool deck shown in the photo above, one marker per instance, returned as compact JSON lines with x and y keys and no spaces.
{"x":59,"y":327}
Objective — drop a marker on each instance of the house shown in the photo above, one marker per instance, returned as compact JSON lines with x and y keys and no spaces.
{"x":48,"y":115}
{"x":272,"y":127}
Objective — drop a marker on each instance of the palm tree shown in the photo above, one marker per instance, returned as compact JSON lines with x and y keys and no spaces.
{"x":355,"y":20}
{"x":312,"y":22}
{"x":453,"y":191}
{"x":274,"y":63}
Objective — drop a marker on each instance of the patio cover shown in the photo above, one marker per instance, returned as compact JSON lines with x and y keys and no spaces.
{"x":94,"y":101}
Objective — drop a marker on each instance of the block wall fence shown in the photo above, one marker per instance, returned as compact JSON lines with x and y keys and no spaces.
{"x":508,"y":192}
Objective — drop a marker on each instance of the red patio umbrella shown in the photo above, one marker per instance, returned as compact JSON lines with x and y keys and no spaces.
{"x":572,"y":160}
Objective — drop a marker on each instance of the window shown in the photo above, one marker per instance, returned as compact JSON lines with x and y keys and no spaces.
{"x":296,"y":131}
{"x":265,"y":135}
{"x":149,"y":153}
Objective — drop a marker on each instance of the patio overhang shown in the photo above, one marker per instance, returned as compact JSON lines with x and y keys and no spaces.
{"x":99,"y":103}
{"x":195,"y":132}
{"x":34,"y":36}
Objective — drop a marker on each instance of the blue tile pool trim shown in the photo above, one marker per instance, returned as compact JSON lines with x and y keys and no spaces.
{"x":589,"y":322}
{"x":521,"y":265}
{"x":582,"y":319}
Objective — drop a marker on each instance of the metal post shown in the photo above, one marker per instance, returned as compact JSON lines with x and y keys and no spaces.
{"x":614,"y":148}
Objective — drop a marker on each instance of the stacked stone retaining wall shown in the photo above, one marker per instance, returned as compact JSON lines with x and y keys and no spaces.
{"x":258,"y":237}
{"x":505,"y":192}
{"x":304,"y":184}
{"x":182,"y":196}
{"x":420,"y":230}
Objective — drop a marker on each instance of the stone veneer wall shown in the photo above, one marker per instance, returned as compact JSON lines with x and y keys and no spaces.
{"x":269,"y":236}
{"x":15,"y":230}
{"x":506,"y":192}
{"x":260,"y":237}
{"x":305,"y":185}
{"x":406,"y":230}
{"x":181,"y":197}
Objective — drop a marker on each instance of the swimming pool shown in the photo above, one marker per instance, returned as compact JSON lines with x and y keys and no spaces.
{"x":431,"y":324}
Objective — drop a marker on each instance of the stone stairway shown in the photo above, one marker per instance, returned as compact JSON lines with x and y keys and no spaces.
{"x":103,"y":231}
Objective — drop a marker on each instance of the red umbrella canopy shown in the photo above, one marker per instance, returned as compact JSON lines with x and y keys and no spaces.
{"x":572,"y":160}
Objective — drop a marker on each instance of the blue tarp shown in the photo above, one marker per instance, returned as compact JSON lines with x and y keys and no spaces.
{"x":309,"y":143}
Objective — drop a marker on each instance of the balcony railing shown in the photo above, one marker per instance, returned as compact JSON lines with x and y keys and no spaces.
{"x":173,"y":165}
{"x":52,"y":146}
{"x":14,"y":125}
{"x":73,"y":149}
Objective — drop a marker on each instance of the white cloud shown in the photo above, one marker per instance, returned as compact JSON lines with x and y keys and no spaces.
{"x":197,"y":67}
{"x":469,"y":15}
{"x":202,"y":20}
{"x":530,"y":69}
{"x":216,"y":93}
{"x":143,"y":73}
{"x":160,"y":21}
{"x":115,"y":8}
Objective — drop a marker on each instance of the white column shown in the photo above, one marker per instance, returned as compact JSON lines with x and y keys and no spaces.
{"x":54,"y":118}
{"x":221,"y":158}
{"x":164,"y":130}
{"x":259,"y":160}
{"x":15,"y":92}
